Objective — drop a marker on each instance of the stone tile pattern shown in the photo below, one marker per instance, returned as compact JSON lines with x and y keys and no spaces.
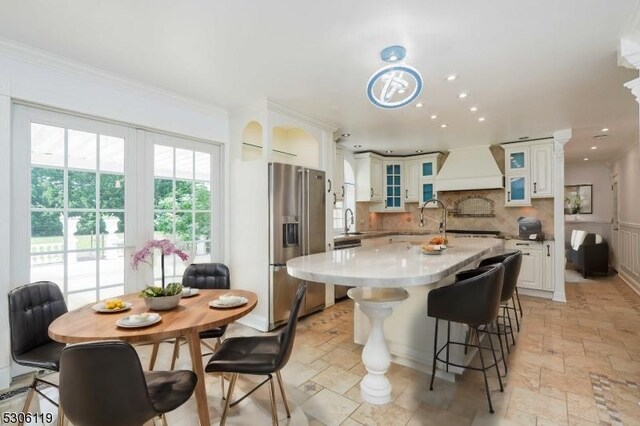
{"x":573,"y":364}
{"x":505,"y":219}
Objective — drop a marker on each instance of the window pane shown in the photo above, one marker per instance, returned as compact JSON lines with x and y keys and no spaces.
{"x":111,"y":230}
{"x":112,"y":267}
{"x":203,"y":226}
{"x":82,"y":190}
{"x":47,"y":145}
{"x":517,"y":160}
{"x":184,"y":163}
{"x":427,"y":169}
{"x":47,"y":267}
{"x":82,"y":271}
{"x":78,"y":300}
{"x":203,"y":166}
{"x":163,"y":161}
{"x":81,"y":233}
{"x":163,"y":194}
{"x":184,"y":226}
{"x":111,"y":191}
{"x":111,"y":154}
{"x":46,"y":232}
{"x":47,"y":188}
{"x":109,"y":293}
{"x":203,"y":252}
{"x":184,"y":195}
{"x":203,"y":196}
{"x":163,"y":225}
{"x":82,"y":150}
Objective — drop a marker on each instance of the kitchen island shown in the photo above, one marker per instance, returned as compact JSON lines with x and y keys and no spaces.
{"x":381,"y":274}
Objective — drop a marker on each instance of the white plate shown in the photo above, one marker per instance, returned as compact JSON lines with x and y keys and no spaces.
{"x":434,"y":252}
{"x":218,"y":304}
{"x":193,"y":292}
{"x":123,"y":322}
{"x":99,"y":307}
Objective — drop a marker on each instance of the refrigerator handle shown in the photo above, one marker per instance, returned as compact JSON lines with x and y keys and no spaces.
{"x":304,"y":204}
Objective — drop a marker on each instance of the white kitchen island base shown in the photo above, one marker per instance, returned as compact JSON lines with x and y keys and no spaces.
{"x":377,"y":304}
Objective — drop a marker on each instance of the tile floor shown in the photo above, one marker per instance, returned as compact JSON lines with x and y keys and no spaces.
{"x":576,"y":363}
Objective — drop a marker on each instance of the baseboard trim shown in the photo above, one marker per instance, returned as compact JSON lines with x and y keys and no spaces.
{"x":5,"y":377}
{"x":635,"y":286}
{"x":535,"y":293}
{"x":257,"y":322}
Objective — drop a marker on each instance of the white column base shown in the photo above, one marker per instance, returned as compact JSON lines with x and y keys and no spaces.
{"x":376,"y":304}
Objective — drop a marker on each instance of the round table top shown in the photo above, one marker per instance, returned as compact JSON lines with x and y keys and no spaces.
{"x":396,"y":264}
{"x":193,"y":314}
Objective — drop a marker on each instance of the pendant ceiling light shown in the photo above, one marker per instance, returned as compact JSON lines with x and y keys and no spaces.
{"x":394,"y":85}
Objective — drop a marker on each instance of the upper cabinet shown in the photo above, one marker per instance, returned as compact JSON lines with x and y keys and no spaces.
{"x":368,"y":177}
{"x":528,"y":172}
{"x":420,"y":174}
{"x":393,"y":184}
{"x":337,"y":184}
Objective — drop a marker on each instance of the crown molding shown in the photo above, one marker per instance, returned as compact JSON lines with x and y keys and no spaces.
{"x":633,"y":27}
{"x":34,"y":56}
{"x":281,"y":107}
{"x":561,"y":137}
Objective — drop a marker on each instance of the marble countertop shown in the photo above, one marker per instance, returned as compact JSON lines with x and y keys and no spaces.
{"x":376,"y":234}
{"x":396,"y":264}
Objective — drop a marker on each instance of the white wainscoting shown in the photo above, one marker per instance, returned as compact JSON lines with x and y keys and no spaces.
{"x":629,"y":254}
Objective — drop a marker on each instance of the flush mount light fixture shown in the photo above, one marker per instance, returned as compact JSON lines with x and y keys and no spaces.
{"x":433,"y":117}
{"x":481,"y":119}
{"x":463,"y":95}
{"x":419,"y":105}
{"x":451,"y":77}
{"x":394,"y":85}
{"x":473,"y":109}
{"x":586,"y":158}
{"x":594,"y":147}
{"x":606,"y":129}
{"x":443,"y":125}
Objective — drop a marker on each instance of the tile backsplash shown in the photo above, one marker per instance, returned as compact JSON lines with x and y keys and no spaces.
{"x":505,"y":219}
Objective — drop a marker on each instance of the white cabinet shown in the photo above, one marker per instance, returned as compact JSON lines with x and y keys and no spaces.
{"x":420,"y":174}
{"x":412,"y":180}
{"x":528,"y":172}
{"x":393,"y":185}
{"x":337,"y":185}
{"x":368,"y":177}
{"x":536,"y":271}
{"x":542,"y":170}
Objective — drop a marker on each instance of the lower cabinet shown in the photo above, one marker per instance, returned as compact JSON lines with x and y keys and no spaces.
{"x":536,"y":272}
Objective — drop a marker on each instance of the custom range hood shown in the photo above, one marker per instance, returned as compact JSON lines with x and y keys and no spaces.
{"x":468,"y":169}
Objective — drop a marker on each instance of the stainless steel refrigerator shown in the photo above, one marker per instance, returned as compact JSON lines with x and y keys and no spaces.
{"x":297,"y":208}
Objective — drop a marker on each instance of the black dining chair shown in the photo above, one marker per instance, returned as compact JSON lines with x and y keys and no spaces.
{"x":473,"y":299}
{"x":512,"y":262}
{"x":32,"y":308}
{"x":258,"y":355}
{"x":102,"y":384}
{"x":201,"y":276}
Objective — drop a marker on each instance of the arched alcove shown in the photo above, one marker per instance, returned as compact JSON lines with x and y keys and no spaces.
{"x":252,"y":141}
{"x":295,"y":146}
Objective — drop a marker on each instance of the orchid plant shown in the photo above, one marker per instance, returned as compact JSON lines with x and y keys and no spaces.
{"x":166,"y":248}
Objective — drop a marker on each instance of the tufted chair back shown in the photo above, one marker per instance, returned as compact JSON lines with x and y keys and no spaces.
{"x":32,"y":308}
{"x":207,"y":276}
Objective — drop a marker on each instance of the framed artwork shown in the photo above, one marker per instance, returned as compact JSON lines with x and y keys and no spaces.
{"x":578,"y":199}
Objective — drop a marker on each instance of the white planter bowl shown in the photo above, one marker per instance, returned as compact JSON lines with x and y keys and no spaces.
{"x":162,"y":303}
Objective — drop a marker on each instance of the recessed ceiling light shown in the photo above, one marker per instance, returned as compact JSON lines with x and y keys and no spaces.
{"x":481,"y":119}
{"x":419,"y":105}
{"x":606,"y":129}
{"x":443,"y":125}
{"x":451,"y":77}
{"x":357,"y":146}
{"x":473,"y":109}
{"x":594,"y":147}
{"x":418,"y":151}
{"x":388,"y":151}
{"x":586,"y":159}
{"x":462,"y":95}
{"x":346,"y":135}
{"x":433,"y":117}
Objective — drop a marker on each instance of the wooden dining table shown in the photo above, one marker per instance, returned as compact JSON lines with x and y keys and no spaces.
{"x":187,"y":320}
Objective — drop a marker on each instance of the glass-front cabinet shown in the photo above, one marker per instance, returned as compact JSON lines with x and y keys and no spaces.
{"x":528,"y":171}
{"x":394,"y":198}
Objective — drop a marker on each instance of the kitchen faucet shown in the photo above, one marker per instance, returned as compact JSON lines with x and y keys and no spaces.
{"x":346,"y":222}
{"x":443,"y":222}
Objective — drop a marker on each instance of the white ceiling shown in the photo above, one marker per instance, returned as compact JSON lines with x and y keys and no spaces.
{"x":531,"y":66}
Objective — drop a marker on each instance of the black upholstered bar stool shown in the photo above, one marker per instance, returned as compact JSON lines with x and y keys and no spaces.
{"x":511,"y":262}
{"x":474,"y":299}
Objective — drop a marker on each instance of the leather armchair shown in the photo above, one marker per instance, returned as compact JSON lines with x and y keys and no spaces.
{"x":591,"y":257}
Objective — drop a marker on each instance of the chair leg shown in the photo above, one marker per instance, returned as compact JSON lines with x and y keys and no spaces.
{"x":164,"y":417}
{"x":504,"y":333}
{"x":448,"y":340}
{"x":504,"y":360}
{"x":27,"y":402}
{"x":435,"y":351}
{"x":208,"y":346}
{"x":60,"y":415}
{"x":232,"y":384}
{"x":176,"y":353}
{"x":272,"y":398}
{"x":515,"y":312}
{"x":513,"y":339}
{"x":495,"y":361}
{"x":154,"y":355}
{"x":518,"y":299}
{"x":284,"y":397}
{"x":484,"y":373}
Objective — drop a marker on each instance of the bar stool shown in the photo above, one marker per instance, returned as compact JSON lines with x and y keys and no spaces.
{"x":511,"y":262}
{"x":473,"y":299}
